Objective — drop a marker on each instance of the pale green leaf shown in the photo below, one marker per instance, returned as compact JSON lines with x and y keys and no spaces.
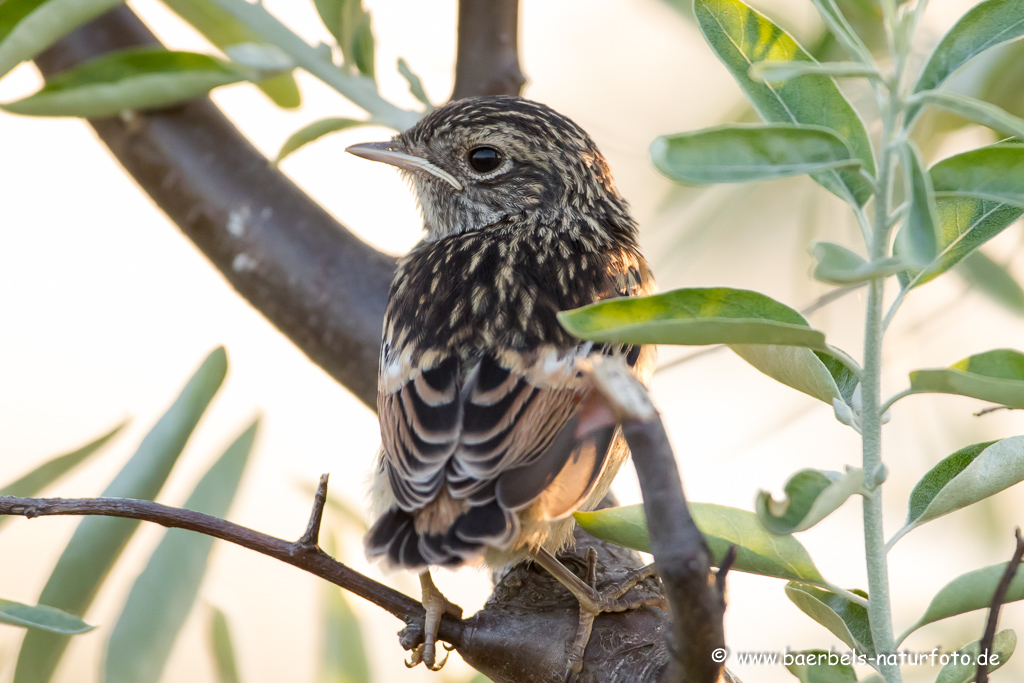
{"x":778,"y":72}
{"x":692,"y":317}
{"x":994,"y":280}
{"x":740,"y":36}
{"x":976,"y":110}
{"x":98,"y":541}
{"x":415,"y":84}
{"x":996,"y":376}
{"x":810,"y":372}
{"x":964,"y":668}
{"x":758,"y":551}
{"x":737,"y":153}
{"x":985,"y":25}
{"x":969,"y":592}
{"x":918,"y":240}
{"x":41,"y":617}
{"x":27,"y":27}
{"x":837,"y":265}
{"x":811,"y":495}
{"x":847,"y":620}
{"x":995,"y":173}
{"x":223,"y":648}
{"x":162,"y":597}
{"x":821,"y":666}
{"x":138,"y":78}
{"x":315,"y":131}
{"x":224,"y":30}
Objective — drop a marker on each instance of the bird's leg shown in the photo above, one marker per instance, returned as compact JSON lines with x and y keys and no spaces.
{"x":612,"y":598}
{"x":436,"y":605}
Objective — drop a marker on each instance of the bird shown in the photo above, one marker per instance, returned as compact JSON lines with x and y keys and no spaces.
{"x":482,"y":398}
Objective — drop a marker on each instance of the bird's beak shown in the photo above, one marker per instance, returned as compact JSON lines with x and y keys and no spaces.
{"x":389,"y":153}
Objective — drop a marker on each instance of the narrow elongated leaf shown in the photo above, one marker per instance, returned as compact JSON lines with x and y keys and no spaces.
{"x":315,"y":131}
{"x":965,"y":223}
{"x":971,"y":474}
{"x":821,"y":666}
{"x":349,"y":23}
{"x":811,"y":372}
{"x":811,"y":495}
{"x":50,"y":471}
{"x":969,"y":592}
{"x":98,"y":541}
{"x":415,"y":84}
{"x":223,"y":648}
{"x":758,"y":551}
{"x":344,"y":657}
{"x":776,"y":72}
{"x":918,"y":241}
{"x":996,"y":376}
{"x":27,"y":27}
{"x":995,"y":173}
{"x":163,"y":595}
{"x":847,"y":620}
{"x":843,"y":30}
{"x":984,"y":113}
{"x":139,"y":78}
{"x":994,"y":280}
{"x":737,"y":153}
{"x":739,"y":36}
{"x":224,"y":30}
{"x":693,"y":316}
{"x":964,"y":668}
{"x":985,"y":25}
{"x":837,"y":265}
{"x":41,"y":617}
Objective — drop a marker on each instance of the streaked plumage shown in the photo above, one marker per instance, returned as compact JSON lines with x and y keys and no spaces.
{"x":479,"y":392}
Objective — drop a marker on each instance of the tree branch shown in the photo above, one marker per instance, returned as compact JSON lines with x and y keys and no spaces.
{"x":319,"y":284}
{"x":680,"y":551}
{"x":998,"y":598}
{"x":487,"y":60}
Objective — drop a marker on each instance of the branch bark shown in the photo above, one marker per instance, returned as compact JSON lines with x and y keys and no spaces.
{"x":998,"y":598}
{"x":487,"y":60}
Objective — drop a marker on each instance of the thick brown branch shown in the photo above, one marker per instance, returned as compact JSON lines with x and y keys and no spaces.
{"x":680,"y":552}
{"x":998,"y":598}
{"x":319,"y":284}
{"x":487,"y":60}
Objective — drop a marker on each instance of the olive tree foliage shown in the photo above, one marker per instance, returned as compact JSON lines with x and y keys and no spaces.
{"x":918,"y":221}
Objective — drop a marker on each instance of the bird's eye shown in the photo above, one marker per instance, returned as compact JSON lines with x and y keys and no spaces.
{"x":484,"y":159}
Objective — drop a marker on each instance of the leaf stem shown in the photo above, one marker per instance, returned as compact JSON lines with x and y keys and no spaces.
{"x":894,"y":307}
{"x":893,"y":399}
{"x":845,"y":358}
{"x":849,"y":595}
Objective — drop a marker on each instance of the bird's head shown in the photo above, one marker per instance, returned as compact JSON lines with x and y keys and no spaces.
{"x":479,"y":161}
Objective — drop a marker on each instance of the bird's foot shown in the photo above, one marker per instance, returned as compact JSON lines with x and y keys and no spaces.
{"x":616,"y":597}
{"x":436,"y":606}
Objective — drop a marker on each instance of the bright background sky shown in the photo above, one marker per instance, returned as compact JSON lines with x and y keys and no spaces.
{"x":105,"y":310}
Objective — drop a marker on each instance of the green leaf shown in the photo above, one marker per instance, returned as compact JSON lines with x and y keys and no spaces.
{"x":996,"y":376}
{"x":965,"y":223}
{"x":98,"y":541}
{"x":984,"y":113}
{"x":994,"y":280}
{"x":415,"y":84}
{"x":777,"y":72}
{"x":811,"y":495}
{"x":162,"y":596}
{"x":344,"y":657}
{"x":736,"y":153}
{"x":41,"y":617}
{"x":739,"y":36}
{"x":995,"y":173}
{"x":821,"y":666}
{"x":758,"y":551}
{"x":971,"y":474}
{"x":969,"y":592}
{"x":223,"y":649}
{"x":965,"y":667}
{"x":985,"y":25}
{"x":51,"y":470}
{"x":843,"y":30}
{"x":27,"y":27}
{"x":692,"y":317}
{"x":918,"y":240}
{"x":847,"y":620}
{"x":811,"y":372}
{"x":837,"y":265}
{"x":139,"y":78}
{"x":224,"y":30}
{"x":349,"y":23}
{"x":315,"y":131}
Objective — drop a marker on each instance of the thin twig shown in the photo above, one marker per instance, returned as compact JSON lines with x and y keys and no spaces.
{"x":992,"y":409}
{"x":311,"y":539}
{"x":985,"y":647}
{"x":306,"y":557}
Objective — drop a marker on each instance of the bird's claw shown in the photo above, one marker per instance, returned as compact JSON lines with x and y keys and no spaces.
{"x":422,"y":640}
